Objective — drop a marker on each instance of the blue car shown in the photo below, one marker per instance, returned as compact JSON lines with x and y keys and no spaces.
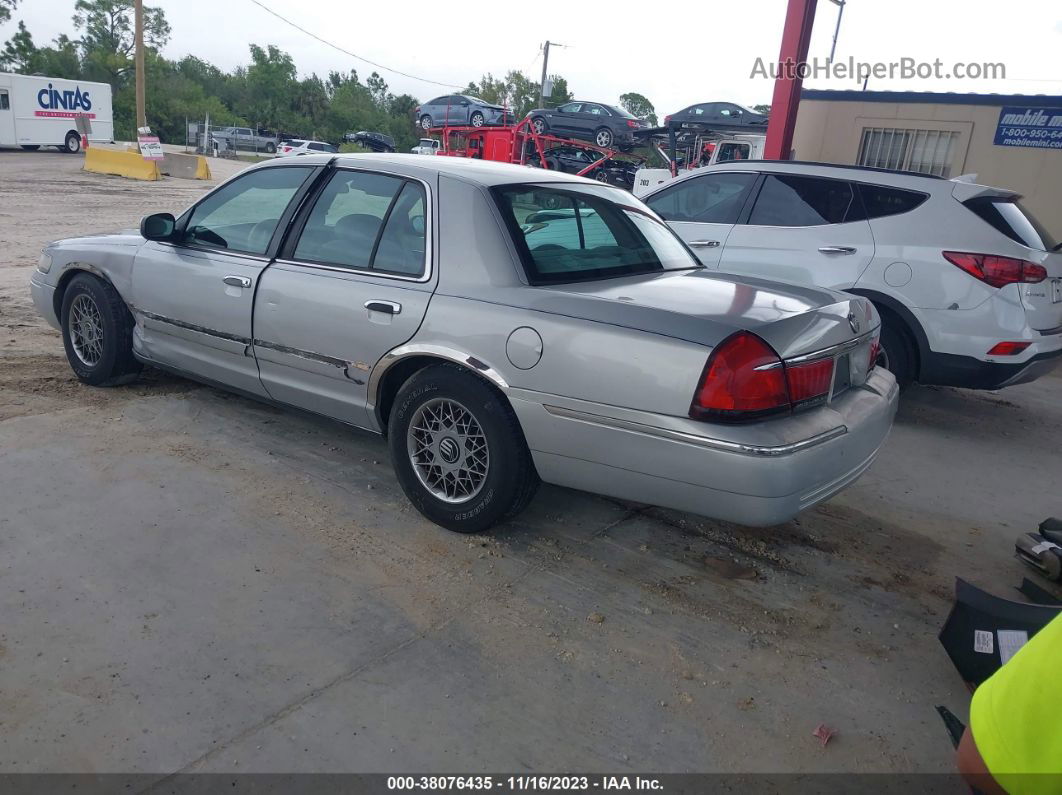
{"x":460,"y":109}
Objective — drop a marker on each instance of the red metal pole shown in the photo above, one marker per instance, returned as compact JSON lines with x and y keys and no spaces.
{"x":796,"y":36}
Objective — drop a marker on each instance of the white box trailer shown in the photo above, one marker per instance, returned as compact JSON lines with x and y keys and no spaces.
{"x":42,"y":111}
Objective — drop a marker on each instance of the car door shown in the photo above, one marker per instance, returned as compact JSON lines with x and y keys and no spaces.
{"x":565,"y":118}
{"x":352,"y":283}
{"x":702,"y":209}
{"x":802,"y":229}
{"x":192,"y":298}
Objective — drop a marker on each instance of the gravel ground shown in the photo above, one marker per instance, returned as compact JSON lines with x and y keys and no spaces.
{"x":193,"y":581}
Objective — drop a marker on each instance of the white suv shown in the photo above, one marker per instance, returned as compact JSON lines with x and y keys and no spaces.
{"x":966,"y":281}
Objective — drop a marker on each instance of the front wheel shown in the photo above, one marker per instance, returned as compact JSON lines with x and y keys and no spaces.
{"x":425,"y":122}
{"x":458,"y":450}
{"x":477,"y":119}
{"x":603,"y":137}
{"x":538,"y":124}
{"x":73,"y":143}
{"x":98,"y":332}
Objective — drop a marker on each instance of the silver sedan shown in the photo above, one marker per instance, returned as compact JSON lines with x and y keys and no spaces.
{"x":499,"y":325}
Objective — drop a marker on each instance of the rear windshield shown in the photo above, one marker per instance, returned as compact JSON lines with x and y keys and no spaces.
{"x":582,"y":233}
{"x":1013,"y":220}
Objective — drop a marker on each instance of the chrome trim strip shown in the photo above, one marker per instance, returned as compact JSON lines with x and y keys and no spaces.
{"x":192,"y":327}
{"x":341,"y":364}
{"x":427,"y":349}
{"x":694,"y":439}
{"x":833,"y":350}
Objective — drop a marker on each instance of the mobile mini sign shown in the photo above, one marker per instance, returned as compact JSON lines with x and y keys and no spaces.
{"x":1039,"y":128}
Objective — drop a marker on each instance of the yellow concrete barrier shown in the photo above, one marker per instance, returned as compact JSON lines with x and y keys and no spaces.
{"x":122,"y":164}
{"x":176,"y":164}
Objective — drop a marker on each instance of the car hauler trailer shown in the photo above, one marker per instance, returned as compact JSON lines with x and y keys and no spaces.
{"x":43,"y":111}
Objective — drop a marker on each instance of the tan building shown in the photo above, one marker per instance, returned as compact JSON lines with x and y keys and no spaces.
{"x":1011,"y":141}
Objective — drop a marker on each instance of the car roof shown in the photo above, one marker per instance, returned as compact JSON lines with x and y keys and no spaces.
{"x":483,"y":172}
{"x":881,"y":176}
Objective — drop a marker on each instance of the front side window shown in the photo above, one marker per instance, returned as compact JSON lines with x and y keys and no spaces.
{"x":586,"y":233}
{"x":368,"y":222}
{"x":571,"y":107}
{"x":708,"y":199}
{"x":786,"y":200}
{"x":243,"y":215}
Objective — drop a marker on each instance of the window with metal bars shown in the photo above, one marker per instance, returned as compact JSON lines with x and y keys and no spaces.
{"x":924,"y":151}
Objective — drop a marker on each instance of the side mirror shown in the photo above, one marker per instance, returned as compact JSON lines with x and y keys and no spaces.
{"x":159,"y":226}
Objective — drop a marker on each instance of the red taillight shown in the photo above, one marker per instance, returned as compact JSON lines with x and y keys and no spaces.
{"x":632,"y":124}
{"x":875,"y":352}
{"x":286,"y":149}
{"x":809,"y":381}
{"x":1008,"y":348}
{"x":743,"y":379}
{"x":997,"y":271}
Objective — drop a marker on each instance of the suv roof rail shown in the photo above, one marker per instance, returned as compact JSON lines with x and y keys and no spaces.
{"x":871,"y":169}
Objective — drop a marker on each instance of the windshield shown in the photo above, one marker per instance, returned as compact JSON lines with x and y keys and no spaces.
{"x":1013,"y":220}
{"x":581,"y":233}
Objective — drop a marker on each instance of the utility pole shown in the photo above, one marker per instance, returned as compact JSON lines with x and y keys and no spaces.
{"x":542,"y":84}
{"x":141,"y":114}
{"x":836,"y":31}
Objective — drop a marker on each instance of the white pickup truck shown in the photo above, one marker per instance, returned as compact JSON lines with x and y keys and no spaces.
{"x":735,"y":147}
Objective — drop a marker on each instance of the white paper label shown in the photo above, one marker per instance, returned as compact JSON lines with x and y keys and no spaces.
{"x":983,"y":641}
{"x":1010,"y":640}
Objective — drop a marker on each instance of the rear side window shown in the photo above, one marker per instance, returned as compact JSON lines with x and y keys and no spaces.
{"x":880,"y":201}
{"x":708,"y":199}
{"x":1013,"y":220}
{"x":801,"y":201}
{"x":585,"y":233}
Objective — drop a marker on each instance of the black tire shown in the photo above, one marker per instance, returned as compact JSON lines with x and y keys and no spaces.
{"x":476,"y":119}
{"x":604,"y":137}
{"x":425,"y":122}
{"x":897,"y":350}
{"x":271,"y":147}
{"x":73,"y":143}
{"x":538,"y":124}
{"x":510,"y":481}
{"x":31,"y":147}
{"x":116,"y":363}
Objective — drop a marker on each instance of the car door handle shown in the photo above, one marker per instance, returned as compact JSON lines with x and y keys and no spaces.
{"x":390,"y":307}
{"x":704,"y":243}
{"x":237,"y":281}
{"x":837,"y":249}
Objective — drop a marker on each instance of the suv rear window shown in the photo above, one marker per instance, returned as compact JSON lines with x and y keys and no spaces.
{"x":1013,"y":220}
{"x":584,"y":233}
{"x":881,"y":201}
{"x":786,"y":200}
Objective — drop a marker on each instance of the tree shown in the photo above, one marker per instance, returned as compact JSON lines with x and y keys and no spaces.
{"x":107,"y":42}
{"x":19,"y":50}
{"x":21,"y":54}
{"x":378,"y":90}
{"x":638,"y":105}
{"x":6,"y":7}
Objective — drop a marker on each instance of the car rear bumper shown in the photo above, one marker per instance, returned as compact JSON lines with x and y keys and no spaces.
{"x":723,"y":472}
{"x":946,"y":369}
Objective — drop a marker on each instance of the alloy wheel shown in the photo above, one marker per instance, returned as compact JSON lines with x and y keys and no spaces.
{"x":448,"y":450}
{"x":604,"y":138}
{"x":86,"y":330}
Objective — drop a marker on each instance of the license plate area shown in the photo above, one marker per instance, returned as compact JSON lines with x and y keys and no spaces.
{"x":1056,"y":291}
{"x":842,"y":375}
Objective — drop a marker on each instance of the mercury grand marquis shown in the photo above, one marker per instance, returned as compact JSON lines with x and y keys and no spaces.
{"x":500,"y":325}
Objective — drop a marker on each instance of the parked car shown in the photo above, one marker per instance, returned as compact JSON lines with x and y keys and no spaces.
{"x":426,"y":146}
{"x":966,"y":281}
{"x":244,"y":138}
{"x":721,"y":114}
{"x":604,"y":125}
{"x":492,"y":344}
{"x":298,"y":147}
{"x":376,"y":141}
{"x":460,"y":109}
{"x":572,"y":160}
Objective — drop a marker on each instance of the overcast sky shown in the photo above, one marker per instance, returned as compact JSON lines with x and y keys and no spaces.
{"x":674,"y":56}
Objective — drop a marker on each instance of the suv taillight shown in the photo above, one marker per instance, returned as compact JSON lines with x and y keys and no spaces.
{"x":997,"y":271}
{"x":744,"y":379}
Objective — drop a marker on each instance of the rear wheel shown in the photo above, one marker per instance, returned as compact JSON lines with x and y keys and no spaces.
{"x":603,"y":137}
{"x":425,"y":122}
{"x":897,"y":350}
{"x":458,"y":450}
{"x":271,"y":147}
{"x":477,"y":119}
{"x":73,"y":143}
{"x":98,"y":332}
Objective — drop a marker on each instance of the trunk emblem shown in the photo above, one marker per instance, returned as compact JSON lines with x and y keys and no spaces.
{"x":853,"y":321}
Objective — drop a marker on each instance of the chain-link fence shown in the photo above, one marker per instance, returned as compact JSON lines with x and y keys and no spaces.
{"x":231,"y":138}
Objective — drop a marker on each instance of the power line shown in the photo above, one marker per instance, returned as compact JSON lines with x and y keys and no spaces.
{"x":351,"y":54}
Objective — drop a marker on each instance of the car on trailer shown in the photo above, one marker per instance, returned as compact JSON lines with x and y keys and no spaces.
{"x":601,"y":124}
{"x":460,"y":110}
{"x":718,"y":115}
